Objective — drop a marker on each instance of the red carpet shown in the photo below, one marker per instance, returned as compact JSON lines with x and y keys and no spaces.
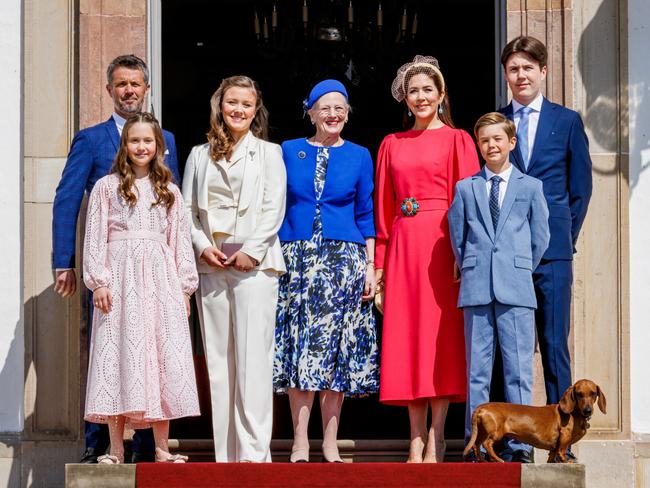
{"x":359,"y":475}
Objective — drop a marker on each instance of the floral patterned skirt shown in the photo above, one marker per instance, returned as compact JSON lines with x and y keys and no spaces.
{"x":325,"y":336}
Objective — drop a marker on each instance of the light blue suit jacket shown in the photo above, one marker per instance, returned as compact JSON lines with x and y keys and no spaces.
{"x":498,"y":265}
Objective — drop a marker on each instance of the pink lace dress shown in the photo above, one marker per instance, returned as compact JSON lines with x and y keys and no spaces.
{"x":141,"y":363}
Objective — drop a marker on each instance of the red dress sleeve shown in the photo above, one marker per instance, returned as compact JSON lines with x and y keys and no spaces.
{"x":384,"y":202}
{"x":463,"y":161}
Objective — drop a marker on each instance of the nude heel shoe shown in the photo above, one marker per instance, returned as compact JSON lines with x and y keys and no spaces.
{"x":331,"y":454}
{"x":299,"y":454}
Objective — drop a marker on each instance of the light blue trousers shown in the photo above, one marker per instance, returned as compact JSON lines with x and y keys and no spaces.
{"x":514,"y":327}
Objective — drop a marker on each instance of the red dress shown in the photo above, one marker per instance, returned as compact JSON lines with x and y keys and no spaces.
{"x":423,"y":348}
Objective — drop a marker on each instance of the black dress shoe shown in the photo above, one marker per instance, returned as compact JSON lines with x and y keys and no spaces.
{"x":522,"y":456}
{"x":572,"y":458}
{"x":470,"y":458}
{"x":90,"y":455}
{"x":143,"y":457}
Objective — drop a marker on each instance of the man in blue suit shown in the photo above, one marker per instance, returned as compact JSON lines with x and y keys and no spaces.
{"x":498,"y":223}
{"x":90,"y":158}
{"x":553,"y":147}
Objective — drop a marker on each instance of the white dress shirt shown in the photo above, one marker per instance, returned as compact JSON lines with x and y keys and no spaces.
{"x":533,"y":118}
{"x":119,"y":122}
{"x":503,"y":185}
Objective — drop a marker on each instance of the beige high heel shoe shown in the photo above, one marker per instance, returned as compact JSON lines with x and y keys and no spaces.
{"x":299,"y":454}
{"x":331,"y":454}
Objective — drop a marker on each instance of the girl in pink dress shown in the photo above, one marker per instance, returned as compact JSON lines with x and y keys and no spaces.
{"x":139,"y":263}
{"x":423,"y":347}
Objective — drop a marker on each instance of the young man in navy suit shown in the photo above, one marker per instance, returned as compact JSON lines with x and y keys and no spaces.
{"x":498,"y":223}
{"x":553,"y":147}
{"x":90,"y":158}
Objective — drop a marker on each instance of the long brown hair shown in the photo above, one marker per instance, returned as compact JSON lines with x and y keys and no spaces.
{"x":159,"y":173}
{"x":439,"y":82}
{"x":220,"y":139}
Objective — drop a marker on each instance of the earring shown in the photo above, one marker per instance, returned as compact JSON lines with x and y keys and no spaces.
{"x":440,"y":109}
{"x":409,"y":113}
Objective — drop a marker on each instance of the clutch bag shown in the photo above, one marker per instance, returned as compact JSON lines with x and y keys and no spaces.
{"x":230,"y":248}
{"x":379,"y":301}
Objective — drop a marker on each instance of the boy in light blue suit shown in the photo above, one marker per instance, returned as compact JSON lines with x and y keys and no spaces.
{"x":498,"y":223}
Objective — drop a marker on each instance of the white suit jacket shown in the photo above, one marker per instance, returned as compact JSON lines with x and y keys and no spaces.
{"x":261,"y":202}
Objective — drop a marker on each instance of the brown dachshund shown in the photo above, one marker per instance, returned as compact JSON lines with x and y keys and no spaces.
{"x":553,"y":427}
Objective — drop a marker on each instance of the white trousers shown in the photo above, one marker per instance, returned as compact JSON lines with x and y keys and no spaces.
{"x":237,"y":314}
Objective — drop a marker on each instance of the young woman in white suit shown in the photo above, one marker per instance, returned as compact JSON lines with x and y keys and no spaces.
{"x":234,"y":186}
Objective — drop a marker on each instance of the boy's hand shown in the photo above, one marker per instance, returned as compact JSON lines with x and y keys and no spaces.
{"x":456,"y":273}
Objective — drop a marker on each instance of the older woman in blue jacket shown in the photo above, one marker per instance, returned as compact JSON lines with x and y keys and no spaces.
{"x":325,"y":334}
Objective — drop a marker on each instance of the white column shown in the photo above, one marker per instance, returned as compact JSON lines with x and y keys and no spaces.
{"x":11,"y":220}
{"x":639,"y":99}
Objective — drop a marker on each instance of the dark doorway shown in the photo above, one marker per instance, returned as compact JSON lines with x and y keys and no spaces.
{"x":205,"y":41}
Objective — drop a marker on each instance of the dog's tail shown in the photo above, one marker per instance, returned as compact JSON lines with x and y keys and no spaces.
{"x":472,"y":439}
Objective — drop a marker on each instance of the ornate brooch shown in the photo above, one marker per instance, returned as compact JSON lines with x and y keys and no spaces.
{"x":410,"y":207}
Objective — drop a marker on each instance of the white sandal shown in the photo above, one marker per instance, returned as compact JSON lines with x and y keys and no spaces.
{"x":108,"y":459}
{"x":174,"y":458}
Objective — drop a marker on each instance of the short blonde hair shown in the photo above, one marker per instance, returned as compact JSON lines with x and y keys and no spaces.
{"x":494,"y":118}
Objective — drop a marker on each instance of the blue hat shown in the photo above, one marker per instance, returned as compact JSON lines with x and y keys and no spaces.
{"x":322,"y":88}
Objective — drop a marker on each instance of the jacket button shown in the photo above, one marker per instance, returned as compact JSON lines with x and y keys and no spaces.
{"x":495,"y":249}
{"x":242,"y":212}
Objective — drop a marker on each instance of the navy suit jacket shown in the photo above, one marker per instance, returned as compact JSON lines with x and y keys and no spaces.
{"x":498,"y":264}
{"x":90,"y":158}
{"x":561,"y":160}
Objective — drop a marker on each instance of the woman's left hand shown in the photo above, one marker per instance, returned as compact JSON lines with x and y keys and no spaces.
{"x":370,"y":286}
{"x":241,"y":262}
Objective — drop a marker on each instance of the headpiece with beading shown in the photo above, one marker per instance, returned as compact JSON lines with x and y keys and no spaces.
{"x":420,"y":64}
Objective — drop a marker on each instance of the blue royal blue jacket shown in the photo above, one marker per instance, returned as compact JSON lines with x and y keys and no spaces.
{"x":346,"y":204}
{"x":91,"y":156}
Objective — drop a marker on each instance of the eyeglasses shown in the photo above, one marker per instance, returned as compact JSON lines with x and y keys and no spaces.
{"x":338,"y":110}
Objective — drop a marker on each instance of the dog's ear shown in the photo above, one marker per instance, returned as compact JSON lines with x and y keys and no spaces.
{"x":568,"y":401}
{"x":602,"y":401}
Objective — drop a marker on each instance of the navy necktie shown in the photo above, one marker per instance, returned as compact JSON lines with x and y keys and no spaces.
{"x":522,"y":134}
{"x":494,"y":200}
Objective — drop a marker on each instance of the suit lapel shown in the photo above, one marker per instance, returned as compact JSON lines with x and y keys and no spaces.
{"x":202,"y":180}
{"x":113,"y":134}
{"x":511,"y":192}
{"x":480,"y":195}
{"x":251,"y":154}
{"x":545,"y":125}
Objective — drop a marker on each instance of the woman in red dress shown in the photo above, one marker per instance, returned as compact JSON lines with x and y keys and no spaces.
{"x":423,"y":348}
